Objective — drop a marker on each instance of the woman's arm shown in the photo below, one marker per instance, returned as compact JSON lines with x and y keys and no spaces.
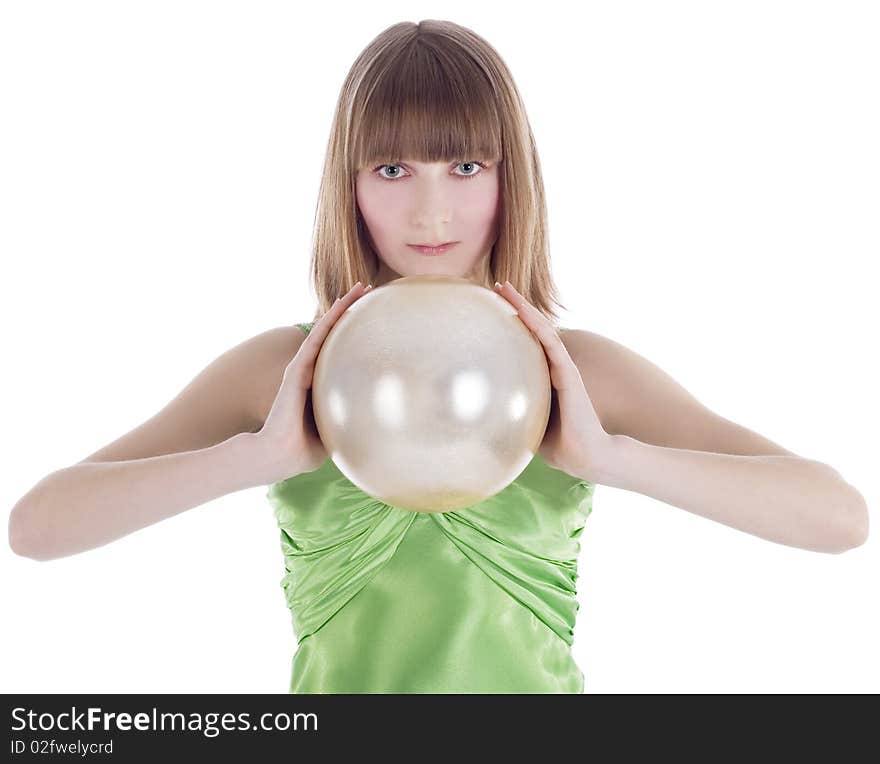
{"x":201,"y":445}
{"x":92,"y":503}
{"x":667,"y":445}
{"x":787,"y":499}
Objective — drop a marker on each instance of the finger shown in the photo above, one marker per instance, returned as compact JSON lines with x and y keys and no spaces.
{"x":563,"y":366}
{"x":351,"y":294}
{"x":343,"y":302}
{"x":532,"y":317}
{"x":323,"y":326}
{"x":301,"y":367}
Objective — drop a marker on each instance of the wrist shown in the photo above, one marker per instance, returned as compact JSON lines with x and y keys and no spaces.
{"x":269,"y":460}
{"x":253,"y":459}
{"x":614,"y":461}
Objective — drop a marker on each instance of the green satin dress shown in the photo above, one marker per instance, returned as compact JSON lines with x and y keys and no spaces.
{"x":476,"y":600}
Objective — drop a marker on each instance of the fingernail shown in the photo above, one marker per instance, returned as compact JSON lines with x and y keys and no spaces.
{"x":498,"y":285}
{"x":369,"y":287}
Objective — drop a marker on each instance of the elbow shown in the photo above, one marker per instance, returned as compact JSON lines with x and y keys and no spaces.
{"x":22,"y":540}
{"x":857,"y":525}
{"x":860,"y":533}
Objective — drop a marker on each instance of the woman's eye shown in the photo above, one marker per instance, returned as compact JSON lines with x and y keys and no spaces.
{"x":387,"y":165}
{"x":466,"y":176}
{"x":472,"y":164}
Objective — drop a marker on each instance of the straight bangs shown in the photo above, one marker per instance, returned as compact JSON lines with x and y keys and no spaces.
{"x":427,"y":108}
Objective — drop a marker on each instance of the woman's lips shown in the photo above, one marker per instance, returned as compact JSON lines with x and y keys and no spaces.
{"x":433,"y":250}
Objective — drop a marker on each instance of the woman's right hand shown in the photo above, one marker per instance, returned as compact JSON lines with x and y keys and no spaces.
{"x":289,"y":436}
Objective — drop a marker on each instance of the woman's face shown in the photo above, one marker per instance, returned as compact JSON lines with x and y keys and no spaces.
{"x":416,"y":203}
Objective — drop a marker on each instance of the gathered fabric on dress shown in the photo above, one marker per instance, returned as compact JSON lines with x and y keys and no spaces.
{"x":476,"y":600}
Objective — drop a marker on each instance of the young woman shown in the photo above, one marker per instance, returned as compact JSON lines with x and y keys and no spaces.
{"x":430,"y":144}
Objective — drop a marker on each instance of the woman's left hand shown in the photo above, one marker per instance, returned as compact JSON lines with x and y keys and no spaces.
{"x":575,"y":441}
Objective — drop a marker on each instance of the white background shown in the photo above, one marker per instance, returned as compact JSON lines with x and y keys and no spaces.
{"x":711,"y":172}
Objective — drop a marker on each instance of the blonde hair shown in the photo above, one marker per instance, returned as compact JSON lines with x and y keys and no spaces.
{"x":432,"y":91}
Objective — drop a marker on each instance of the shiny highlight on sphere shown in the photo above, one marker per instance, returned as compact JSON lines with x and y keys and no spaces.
{"x":430,"y":393}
